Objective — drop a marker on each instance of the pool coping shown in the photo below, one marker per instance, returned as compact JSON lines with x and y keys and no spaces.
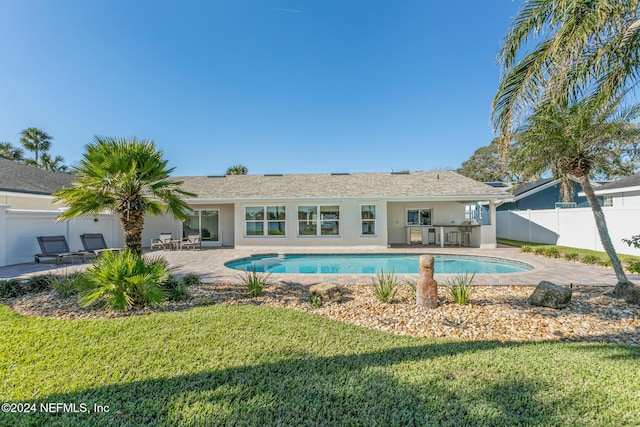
{"x":209,"y":264}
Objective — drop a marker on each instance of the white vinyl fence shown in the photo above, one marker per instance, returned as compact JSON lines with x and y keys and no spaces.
{"x":19,"y":229}
{"x":575,"y":228}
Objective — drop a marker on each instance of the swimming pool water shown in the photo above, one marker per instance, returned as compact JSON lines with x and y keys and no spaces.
{"x":373,"y":264}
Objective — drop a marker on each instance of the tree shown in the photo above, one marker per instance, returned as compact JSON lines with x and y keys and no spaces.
{"x":52,"y":164}
{"x":558,"y":49}
{"x":575,"y":140}
{"x":237,"y":170}
{"x":8,"y":151}
{"x":35,"y":140}
{"x":486,"y":165}
{"x":128,"y":177}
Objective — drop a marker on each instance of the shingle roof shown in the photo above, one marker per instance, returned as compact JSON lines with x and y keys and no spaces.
{"x":627,"y":181}
{"x":523,"y":187}
{"x":442,"y":184}
{"x":21,"y":178}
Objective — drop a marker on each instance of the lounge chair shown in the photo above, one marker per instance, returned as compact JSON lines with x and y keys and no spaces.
{"x":191,"y":241}
{"x":94,"y":244}
{"x":162,"y":242}
{"x":56,"y":247}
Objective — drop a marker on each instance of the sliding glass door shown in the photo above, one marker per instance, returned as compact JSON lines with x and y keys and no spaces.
{"x":206,"y":224}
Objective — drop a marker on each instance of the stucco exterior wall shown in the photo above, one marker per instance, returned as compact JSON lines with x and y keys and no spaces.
{"x":349,"y":225}
{"x":25,"y":201}
{"x":626,"y":199}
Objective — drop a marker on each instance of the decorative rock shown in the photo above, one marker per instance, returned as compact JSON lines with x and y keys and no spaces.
{"x":548,"y":294}
{"x":427,"y":287}
{"x":328,"y":292}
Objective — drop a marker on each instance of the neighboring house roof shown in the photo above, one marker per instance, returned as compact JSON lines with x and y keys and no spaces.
{"x":628,"y":183}
{"x":20,"y":178}
{"x":521,"y":188}
{"x":443,"y":185}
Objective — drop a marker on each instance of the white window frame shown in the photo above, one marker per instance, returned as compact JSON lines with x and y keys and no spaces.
{"x":374,"y":220}
{"x":406,"y":216}
{"x":318,"y":220}
{"x":265,"y":221}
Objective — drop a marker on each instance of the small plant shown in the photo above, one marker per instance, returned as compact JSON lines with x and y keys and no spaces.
{"x":385,"y":286}
{"x":571,"y":256}
{"x":315,"y":300}
{"x":41,"y":283}
{"x":67,"y":285}
{"x":526,"y":249}
{"x":552,"y":252}
{"x":11,"y":288}
{"x":255,"y":282}
{"x":634,"y":267}
{"x":605,"y":262}
{"x":176,"y":289}
{"x":539,"y":251}
{"x":460,"y":287}
{"x":205,"y":302}
{"x":191,"y":279}
{"x":590,"y":259}
{"x":121,"y":279}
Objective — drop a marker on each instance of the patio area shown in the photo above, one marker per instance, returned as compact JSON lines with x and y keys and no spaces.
{"x":209,"y":264}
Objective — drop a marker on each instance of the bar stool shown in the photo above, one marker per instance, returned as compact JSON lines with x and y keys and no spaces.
{"x":454,"y":238}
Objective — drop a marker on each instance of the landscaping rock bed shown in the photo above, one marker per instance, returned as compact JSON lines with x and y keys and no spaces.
{"x":494,"y":313}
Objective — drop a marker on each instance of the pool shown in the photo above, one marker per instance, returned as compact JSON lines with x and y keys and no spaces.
{"x":373,"y":264}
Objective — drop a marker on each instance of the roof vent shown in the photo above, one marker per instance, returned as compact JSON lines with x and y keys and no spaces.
{"x":339,"y":173}
{"x":272,"y":174}
{"x":216,"y":176}
{"x":400,"y":173}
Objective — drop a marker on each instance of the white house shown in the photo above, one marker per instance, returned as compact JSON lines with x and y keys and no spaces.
{"x":319,"y":210}
{"x":624,"y":192}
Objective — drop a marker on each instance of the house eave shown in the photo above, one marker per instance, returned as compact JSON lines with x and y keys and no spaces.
{"x":441,"y":198}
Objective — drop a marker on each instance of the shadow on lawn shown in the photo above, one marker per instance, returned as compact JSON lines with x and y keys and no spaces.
{"x":309,"y":390}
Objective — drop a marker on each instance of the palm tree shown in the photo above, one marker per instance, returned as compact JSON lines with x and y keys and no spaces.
{"x":577,"y":47}
{"x":128,"y":177}
{"x":8,"y":151}
{"x":52,"y":164}
{"x":237,"y":170}
{"x":577,"y":140}
{"x":36,"y":140}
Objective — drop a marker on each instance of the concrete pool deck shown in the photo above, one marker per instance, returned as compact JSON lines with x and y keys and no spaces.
{"x":209,"y":264}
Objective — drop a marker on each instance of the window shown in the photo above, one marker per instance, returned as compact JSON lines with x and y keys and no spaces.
{"x":419,"y":217}
{"x":318,"y":220}
{"x":368,"y":218}
{"x":265,"y":220}
{"x":607,"y":200}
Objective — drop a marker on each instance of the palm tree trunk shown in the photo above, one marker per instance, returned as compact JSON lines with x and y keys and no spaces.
{"x":132,"y":224}
{"x":624,"y":288}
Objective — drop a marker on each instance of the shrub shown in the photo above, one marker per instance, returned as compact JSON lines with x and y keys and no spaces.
{"x":460,"y":287}
{"x":634,"y":267}
{"x":552,"y":252}
{"x":525,"y":248}
{"x":176,"y":289}
{"x":539,"y":251}
{"x":385,"y":286}
{"x":590,"y":259}
{"x":191,"y":279}
{"x":571,"y":256}
{"x":255,"y":282}
{"x":68,"y":285}
{"x":11,"y":288}
{"x":39,"y":283}
{"x":315,"y":300}
{"x":122,"y":279}
{"x":206,"y":301}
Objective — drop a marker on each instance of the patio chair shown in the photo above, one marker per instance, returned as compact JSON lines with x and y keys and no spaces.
{"x":94,"y":244}
{"x":56,"y":247}
{"x":162,"y":242}
{"x":192,"y":241}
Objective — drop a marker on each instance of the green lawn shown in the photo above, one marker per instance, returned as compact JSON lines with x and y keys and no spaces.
{"x":255,"y":365}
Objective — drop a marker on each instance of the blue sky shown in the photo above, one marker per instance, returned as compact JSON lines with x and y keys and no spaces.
{"x":281,"y":86}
